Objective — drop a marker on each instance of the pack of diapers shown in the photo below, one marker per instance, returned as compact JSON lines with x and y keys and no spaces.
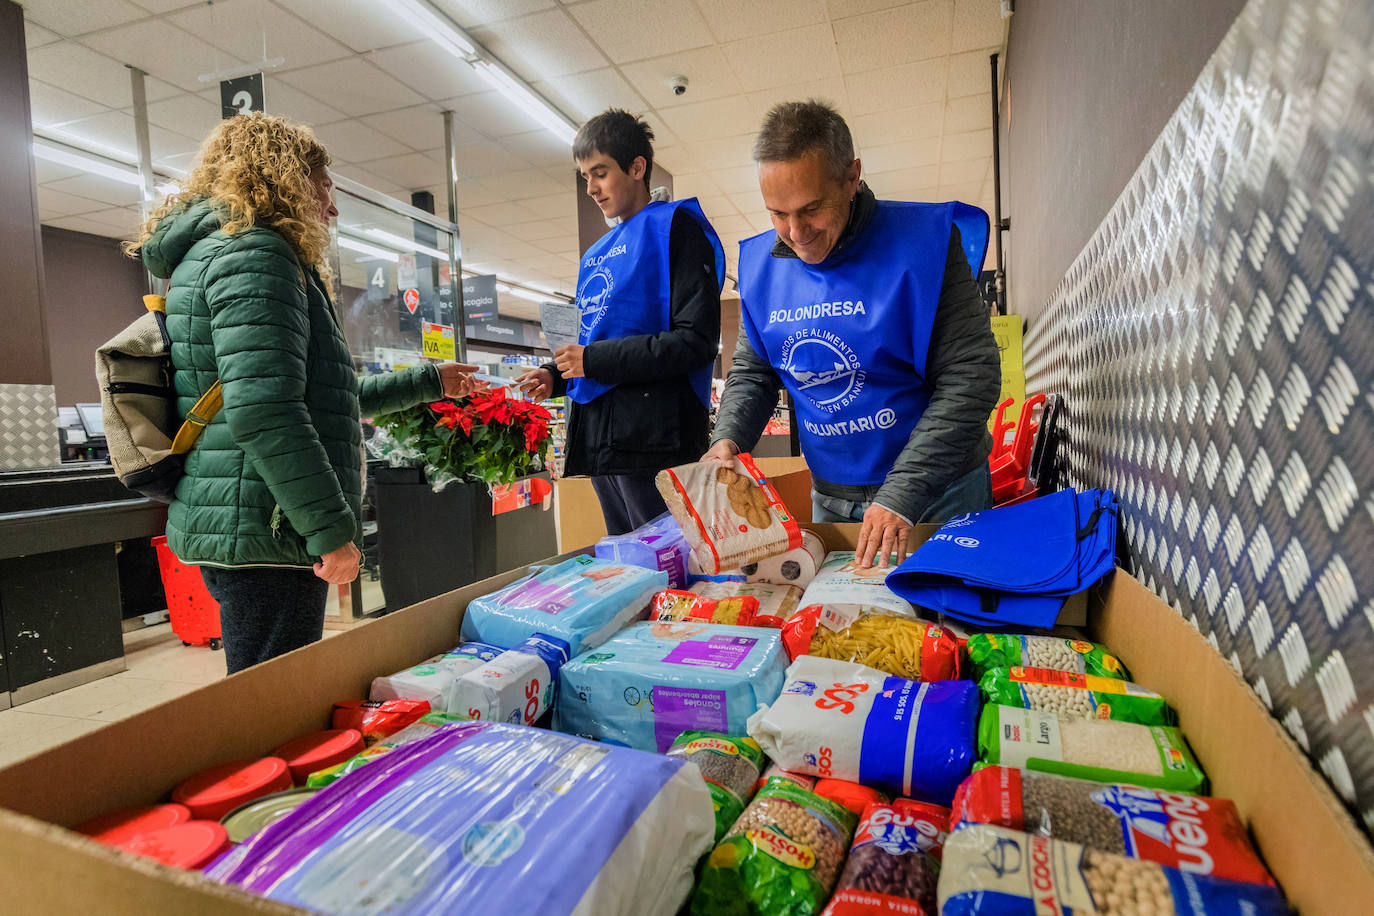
{"x":658,"y":544}
{"x":654,"y":681}
{"x":431,"y":679}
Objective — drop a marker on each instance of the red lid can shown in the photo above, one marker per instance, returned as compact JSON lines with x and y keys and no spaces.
{"x":191,"y":845}
{"x":213,"y":793}
{"x":849,"y":794}
{"x":119,"y":827}
{"x":309,"y":753}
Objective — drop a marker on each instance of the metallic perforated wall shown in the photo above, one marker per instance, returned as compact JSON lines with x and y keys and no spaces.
{"x":1215,"y":343}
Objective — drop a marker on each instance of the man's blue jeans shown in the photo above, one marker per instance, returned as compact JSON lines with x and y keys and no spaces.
{"x":970,"y":493}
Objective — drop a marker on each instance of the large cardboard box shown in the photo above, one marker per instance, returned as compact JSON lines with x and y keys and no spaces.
{"x":1313,"y":846}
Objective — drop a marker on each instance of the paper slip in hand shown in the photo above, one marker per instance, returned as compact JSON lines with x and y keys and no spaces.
{"x":561,"y":321}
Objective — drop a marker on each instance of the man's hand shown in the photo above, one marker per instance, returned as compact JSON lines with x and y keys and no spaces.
{"x":458,"y":381}
{"x":537,"y":384}
{"x":882,"y":534}
{"x":723,"y":451}
{"x":569,"y":361}
{"x":340,"y":567}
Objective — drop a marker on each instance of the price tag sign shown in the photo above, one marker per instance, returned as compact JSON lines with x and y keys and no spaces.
{"x":242,"y":95}
{"x":837,"y":617}
{"x":438,"y":341}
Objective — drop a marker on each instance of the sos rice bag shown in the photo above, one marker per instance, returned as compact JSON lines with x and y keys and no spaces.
{"x":431,"y":679}
{"x":1007,"y":650}
{"x":993,"y":871}
{"x":673,"y":604}
{"x":653,"y":681}
{"x":729,"y":513}
{"x":516,"y":686}
{"x":1193,"y":833}
{"x":796,"y":567}
{"x":658,"y":544}
{"x":1086,"y":696}
{"x":1153,"y":756}
{"x":730,"y":767}
{"x":893,"y":865}
{"x":781,"y":857}
{"x":376,"y":719}
{"x":488,"y":818}
{"x":870,"y":636}
{"x":423,"y":727}
{"x":852,"y":722}
{"x":776,"y":602}
{"x":581,"y":601}
{"x":841,"y":580}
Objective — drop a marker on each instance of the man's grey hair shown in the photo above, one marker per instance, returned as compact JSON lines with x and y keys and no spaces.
{"x":793,"y":129}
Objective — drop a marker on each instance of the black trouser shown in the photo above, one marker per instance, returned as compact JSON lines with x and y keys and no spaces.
{"x":266,"y":611}
{"x":628,"y":501}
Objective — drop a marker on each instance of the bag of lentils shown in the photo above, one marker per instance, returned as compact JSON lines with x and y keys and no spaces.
{"x":1145,"y":755}
{"x":1006,"y":650}
{"x":730,"y":767}
{"x":1084,"y":695}
{"x":1193,"y":833}
{"x":893,"y":865}
{"x":780,"y":858}
{"x":993,"y":871}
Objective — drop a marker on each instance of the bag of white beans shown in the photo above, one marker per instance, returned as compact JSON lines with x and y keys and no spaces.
{"x":1005,"y":650}
{"x":1084,"y":695}
{"x":993,"y":871}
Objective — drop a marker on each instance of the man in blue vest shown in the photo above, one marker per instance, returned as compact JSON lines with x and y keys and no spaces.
{"x":639,"y":377}
{"x":868,"y":313}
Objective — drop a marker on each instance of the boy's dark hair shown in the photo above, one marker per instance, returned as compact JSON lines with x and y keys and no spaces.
{"x":620,"y":135}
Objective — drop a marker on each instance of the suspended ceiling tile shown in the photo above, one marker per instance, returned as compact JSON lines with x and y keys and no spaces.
{"x":490,"y":113}
{"x":85,"y":224}
{"x":714,"y":120}
{"x":78,"y":69}
{"x":421,"y":128}
{"x":874,"y":41}
{"x":541,"y":46}
{"x":184,"y":113}
{"x":484,"y":158}
{"x":35,"y":36}
{"x":730,"y":19}
{"x":182,"y":162}
{"x":77,"y":17}
{"x":527,"y":183}
{"x":365,"y":176}
{"x":158,"y":48}
{"x":968,"y":113}
{"x":50,"y":105}
{"x":639,"y":29}
{"x":908,"y":154}
{"x":53,"y":203}
{"x":735,"y":224}
{"x":354,"y":86}
{"x":840,"y":9}
{"x":542,"y":150}
{"x":356,"y":142}
{"x":363,"y":25}
{"x":694,"y":184}
{"x":761,"y":222}
{"x":111,"y":130}
{"x":897,"y":87}
{"x":708,"y":77}
{"x":253,"y":30}
{"x":965,"y":171}
{"x":167,"y":143}
{"x":978,"y":24}
{"x":469,"y":13}
{"x":921,"y":176}
{"x":831,"y":91}
{"x":537,"y":231}
{"x":430,"y":70}
{"x":968,"y":191}
{"x":470,"y":195}
{"x":93,"y":187}
{"x":714,"y":206}
{"x":124,"y":220}
{"x":664,"y":136}
{"x":782,"y":58}
{"x":915,"y":123}
{"x":501,"y":214}
{"x":582,"y":96}
{"x":969,"y":145}
{"x":737,"y":179}
{"x":722,"y":156}
{"x":288,"y":101}
{"x":970,"y":73}
{"x":413,"y":170}
{"x":750,"y":204}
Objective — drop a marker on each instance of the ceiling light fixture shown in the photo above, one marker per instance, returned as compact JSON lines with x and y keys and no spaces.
{"x":526,"y":99}
{"x":522,"y":293}
{"x":406,"y":244}
{"x":84,"y":163}
{"x":353,"y":244}
{"x":443,"y":32}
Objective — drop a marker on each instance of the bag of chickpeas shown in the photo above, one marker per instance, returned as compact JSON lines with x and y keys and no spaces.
{"x":1005,"y":650}
{"x":729,"y":513}
{"x":730,"y":766}
{"x":1086,"y":696}
{"x":993,"y":871}
{"x":780,"y":858}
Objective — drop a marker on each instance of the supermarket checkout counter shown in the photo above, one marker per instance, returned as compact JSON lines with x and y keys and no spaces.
{"x":74,"y":562}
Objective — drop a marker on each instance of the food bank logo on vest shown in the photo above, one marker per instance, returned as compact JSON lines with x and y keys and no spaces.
{"x":592,"y":296}
{"x":826,"y":369}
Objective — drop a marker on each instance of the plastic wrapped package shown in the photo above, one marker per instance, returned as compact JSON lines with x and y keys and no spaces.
{"x":494,"y":818}
{"x":841,"y":580}
{"x":581,"y":601}
{"x":729,"y":513}
{"x":423,"y":727}
{"x":1006,"y":650}
{"x":431,"y":679}
{"x":1153,"y":756}
{"x":892,"y":869}
{"x":658,"y":544}
{"x":653,"y":681}
{"x":993,"y":871}
{"x":796,"y":567}
{"x":874,"y":637}
{"x":1086,"y":696}
{"x":516,"y":686}
{"x":377,"y":719}
{"x":776,"y":602}
{"x":730,"y":767}
{"x":781,"y":858}
{"x":853,"y":722}
{"x":674,"y":604}
{"x":1192,"y":833}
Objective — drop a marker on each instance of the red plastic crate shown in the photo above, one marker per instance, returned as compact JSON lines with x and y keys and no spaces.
{"x":194,"y":614}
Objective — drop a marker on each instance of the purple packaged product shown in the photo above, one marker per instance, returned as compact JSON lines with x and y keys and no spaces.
{"x":658,"y":544}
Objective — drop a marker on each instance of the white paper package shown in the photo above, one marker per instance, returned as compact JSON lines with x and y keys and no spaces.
{"x":431,"y":679}
{"x":516,"y":686}
{"x":841,"y":580}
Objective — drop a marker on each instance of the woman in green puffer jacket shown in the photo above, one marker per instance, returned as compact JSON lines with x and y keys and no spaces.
{"x":269,"y":504}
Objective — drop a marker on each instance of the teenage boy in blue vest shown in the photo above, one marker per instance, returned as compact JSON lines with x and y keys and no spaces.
{"x":868,"y":313}
{"x":639,"y":377}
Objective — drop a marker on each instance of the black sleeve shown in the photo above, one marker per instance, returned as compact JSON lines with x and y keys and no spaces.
{"x":750,"y":396}
{"x":693,"y":337}
{"x":560,"y":384}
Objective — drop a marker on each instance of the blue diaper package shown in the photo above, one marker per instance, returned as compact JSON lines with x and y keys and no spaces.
{"x":653,"y":681}
{"x":658,"y":544}
{"x":582,"y":601}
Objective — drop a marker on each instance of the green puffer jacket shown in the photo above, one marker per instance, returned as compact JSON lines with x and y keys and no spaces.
{"x":276,"y":478}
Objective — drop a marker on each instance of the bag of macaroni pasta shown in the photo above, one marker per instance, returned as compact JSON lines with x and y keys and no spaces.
{"x":1086,"y":696}
{"x":993,"y":871}
{"x":488,"y":818}
{"x":1007,"y":650}
{"x":852,"y":722}
{"x":1153,"y":756}
{"x":729,"y":513}
{"x":730,"y":767}
{"x":780,"y":858}
{"x":875,"y":637}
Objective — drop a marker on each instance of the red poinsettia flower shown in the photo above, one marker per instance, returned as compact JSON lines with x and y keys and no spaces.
{"x":465,"y":420}
{"x":447,"y":421}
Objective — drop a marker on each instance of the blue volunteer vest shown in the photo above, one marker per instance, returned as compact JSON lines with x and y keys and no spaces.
{"x":849,"y":339}
{"x":623,"y":287}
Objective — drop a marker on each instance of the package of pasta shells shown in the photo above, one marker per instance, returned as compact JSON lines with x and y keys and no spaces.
{"x":729,"y":513}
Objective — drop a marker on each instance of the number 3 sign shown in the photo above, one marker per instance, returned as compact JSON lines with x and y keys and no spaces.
{"x":242,"y":95}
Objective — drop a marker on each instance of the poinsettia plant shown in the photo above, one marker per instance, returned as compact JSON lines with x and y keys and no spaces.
{"x":488,"y":437}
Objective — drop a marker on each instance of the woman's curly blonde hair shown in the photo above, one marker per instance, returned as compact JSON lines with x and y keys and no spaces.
{"x":256,"y":168}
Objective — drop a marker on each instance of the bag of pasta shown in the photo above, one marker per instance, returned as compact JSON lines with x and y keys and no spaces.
{"x":875,"y":637}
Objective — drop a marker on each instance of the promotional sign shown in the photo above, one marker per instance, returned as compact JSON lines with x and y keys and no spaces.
{"x":1006,"y":330}
{"x":406,"y":274}
{"x":438,"y":341}
{"x":242,"y":95}
{"x":412,"y":300}
{"x":482,"y":320}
